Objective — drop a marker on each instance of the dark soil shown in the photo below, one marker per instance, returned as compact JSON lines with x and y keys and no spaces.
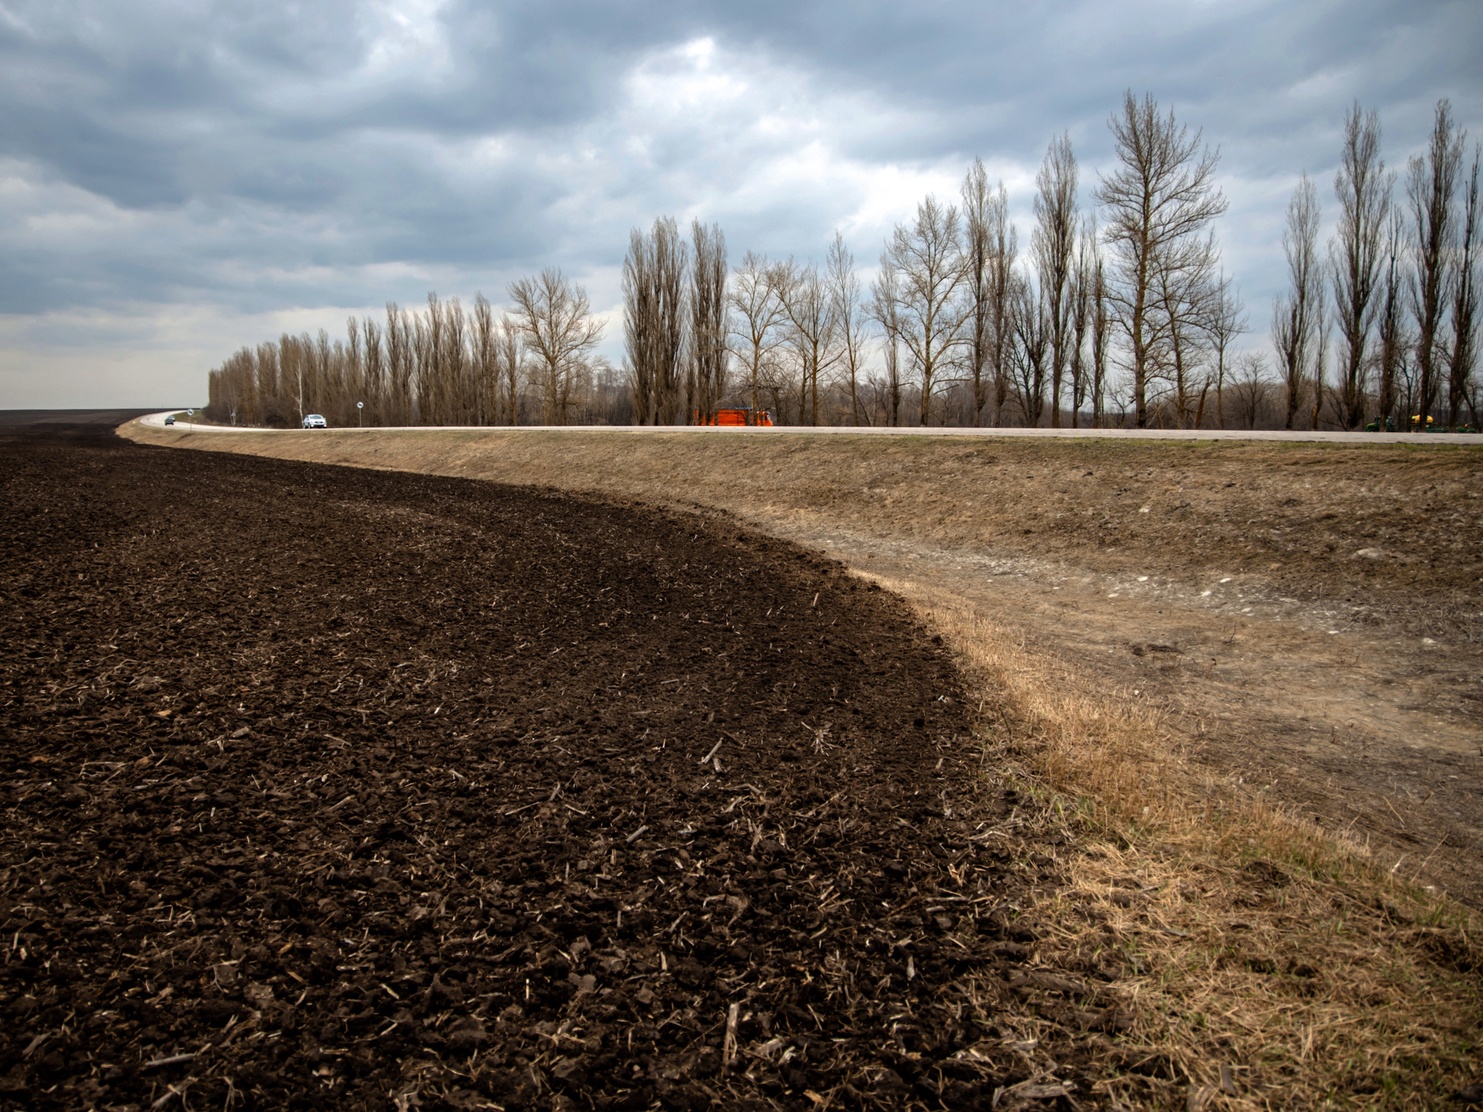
{"x":336,"y":788}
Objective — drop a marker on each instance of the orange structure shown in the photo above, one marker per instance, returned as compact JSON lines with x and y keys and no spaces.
{"x":735,"y":417}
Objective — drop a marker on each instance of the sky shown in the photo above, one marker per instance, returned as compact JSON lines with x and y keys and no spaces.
{"x":180,"y":179}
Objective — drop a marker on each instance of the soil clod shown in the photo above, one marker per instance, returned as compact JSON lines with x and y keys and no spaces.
{"x":335,"y":788}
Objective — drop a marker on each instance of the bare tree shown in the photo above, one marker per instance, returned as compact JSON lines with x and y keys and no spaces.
{"x":983,"y":221}
{"x":1320,"y":363}
{"x":486,"y":361}
{"x":1249,"y":388}
{"x":512,"y":360}
{"x":427,"y":334}
{"x":355,"y":367}
{"x":324,"y":369}
{"x":458,"y":401}
{"x":1101,"y":332}
{"x":375,"y":377}
{"x":990,"y":245}
{"x":654,"y":320}
{"x":270,"y":381}
{"x":789,"y":380}
{"x":708,"y":325}
{"x":555,"y":320}
{"x":1297,"y":316}
{"x":1431,"y":184}
{"x":1053,"y":245}
{"x":1225,"y":320}
{"x":930,"y":309}
{"x":1393,"y":337}
{"x":1032,"y":329}
{"x":437,"y":367}
{"x":401,"y":360}
{"x":1082,"y":288}
{"x":1363,"y":190}
{"x":640,"y":326}
{"x":757,"y":320}
{"x":885,"y":297}
{"x":291,"y":374}
{"x":812,"y":334}
{"x":1159,"y":203}
{"x":849,"y":316}
{"x":1004,"y":247}
{"x":671,"y":256}
{"x":1186,"y":297}
{"x":1465,"y":302}
{"x":229,"y":387}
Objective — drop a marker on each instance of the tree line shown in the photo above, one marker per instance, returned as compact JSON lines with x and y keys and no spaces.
{"x":1116,"y":314}
{"x":1397,"y":295}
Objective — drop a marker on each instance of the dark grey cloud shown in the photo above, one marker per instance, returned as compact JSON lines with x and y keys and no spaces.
{"x":275,"y":157}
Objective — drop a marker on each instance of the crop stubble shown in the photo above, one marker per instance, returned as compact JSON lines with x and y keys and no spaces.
{"x":328,"y":787}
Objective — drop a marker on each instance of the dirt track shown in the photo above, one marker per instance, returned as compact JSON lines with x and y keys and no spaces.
{"x":337,"y":788}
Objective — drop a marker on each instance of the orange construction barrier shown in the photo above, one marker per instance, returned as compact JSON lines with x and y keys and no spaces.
{"x":736,"y":417}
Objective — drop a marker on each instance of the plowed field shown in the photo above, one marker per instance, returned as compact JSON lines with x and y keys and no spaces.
{"x":336,"y":788}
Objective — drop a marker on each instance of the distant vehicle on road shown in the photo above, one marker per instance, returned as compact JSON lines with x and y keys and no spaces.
{"x":170,"y":420}
{"x":315,"y":421}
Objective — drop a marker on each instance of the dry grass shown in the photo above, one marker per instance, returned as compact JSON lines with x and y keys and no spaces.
{"x":1262,"y":962}
{"x":1266,"y":964}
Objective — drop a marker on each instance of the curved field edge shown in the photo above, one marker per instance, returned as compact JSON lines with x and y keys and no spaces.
{"x":1278,"y":965}
{"x":503,"y":736}
{"x":1311,"y":504}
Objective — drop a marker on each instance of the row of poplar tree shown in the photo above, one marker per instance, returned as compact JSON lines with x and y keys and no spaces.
{"x":1117,"y":315}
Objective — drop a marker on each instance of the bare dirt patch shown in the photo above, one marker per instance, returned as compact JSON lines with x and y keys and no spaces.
{"x":330,"y":788}
{"x":1307,"y":614}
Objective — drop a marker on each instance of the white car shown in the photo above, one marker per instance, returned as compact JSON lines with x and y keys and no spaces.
{"x":315,"y":421}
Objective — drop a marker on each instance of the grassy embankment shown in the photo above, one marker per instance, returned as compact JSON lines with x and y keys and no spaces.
{"x":1266,"y":963}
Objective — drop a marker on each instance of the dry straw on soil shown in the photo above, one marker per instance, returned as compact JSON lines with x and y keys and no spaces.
{"x":1266,"y":965}
{"x":1262,"y":962}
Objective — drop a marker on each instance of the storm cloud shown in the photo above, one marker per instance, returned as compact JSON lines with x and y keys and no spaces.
{"x":179,"y":179}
